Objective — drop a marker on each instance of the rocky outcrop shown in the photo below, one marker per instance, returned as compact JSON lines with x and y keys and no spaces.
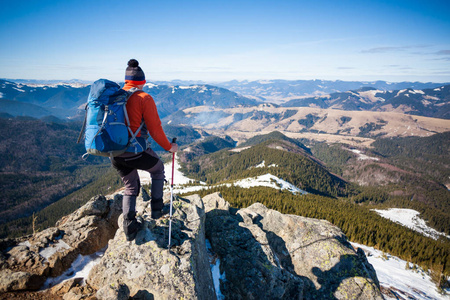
{"x":26,"y":263}
{"x":148,"y":268}
{"x":269,"y":255}
{"x":263,"y":255}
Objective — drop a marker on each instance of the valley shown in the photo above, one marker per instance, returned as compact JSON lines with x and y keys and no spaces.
{"x":330,"y":125}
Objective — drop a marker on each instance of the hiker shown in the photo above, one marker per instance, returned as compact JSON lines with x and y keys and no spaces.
{"x":141,"y":107}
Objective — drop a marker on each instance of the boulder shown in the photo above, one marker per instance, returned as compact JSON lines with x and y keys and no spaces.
{"x":251,"y":267}
{"x":215,"y":204}
{"x":19,"y":281}
{"x":65,"y":286}
{"x":148,"y":268}
{"x":52,"y":251}
{"x":266,"y":254}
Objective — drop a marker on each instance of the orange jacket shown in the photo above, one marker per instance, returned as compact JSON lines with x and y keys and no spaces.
{"x":141,"y":106}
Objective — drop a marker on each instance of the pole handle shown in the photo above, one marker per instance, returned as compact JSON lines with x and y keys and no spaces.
{"x":174,"y":140}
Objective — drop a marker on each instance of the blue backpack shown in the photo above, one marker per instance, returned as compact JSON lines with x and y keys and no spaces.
{"x":106,"y":123}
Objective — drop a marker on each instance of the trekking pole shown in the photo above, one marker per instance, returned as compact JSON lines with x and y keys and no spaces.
{"x":174,"y":140}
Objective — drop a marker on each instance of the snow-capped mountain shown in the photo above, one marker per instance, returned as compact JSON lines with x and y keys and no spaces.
{"x":279,"y":91}
{"x":66,"y":99}
{"x":171,"y":99}
{"x":59,"y":99}
{"x":433,"y":102}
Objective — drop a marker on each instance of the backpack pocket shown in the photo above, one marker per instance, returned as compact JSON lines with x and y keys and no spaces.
{"x":108,"y":140}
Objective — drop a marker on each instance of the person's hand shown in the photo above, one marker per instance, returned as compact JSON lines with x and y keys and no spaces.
{"x":174,"y":148}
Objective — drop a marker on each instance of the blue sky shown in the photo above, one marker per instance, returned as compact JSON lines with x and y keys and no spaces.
{"x":225,"y":40}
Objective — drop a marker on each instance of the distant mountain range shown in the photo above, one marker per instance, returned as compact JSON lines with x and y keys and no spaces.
{"x":65,"y":100}
{"x":170,"y":99}
{"x":279,"y":91}
{"x":39,"y":100}
{"x":434,"y":102}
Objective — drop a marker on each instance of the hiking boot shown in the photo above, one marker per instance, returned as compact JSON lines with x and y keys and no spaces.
{"x":131,"y":225}
{"x":156,"y":214}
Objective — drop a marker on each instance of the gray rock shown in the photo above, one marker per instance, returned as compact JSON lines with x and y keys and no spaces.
{"x":315,"y":250}
{"x":19,"y":281}
{"x":95,"y":207}
{"x":44,"y":237}
{"x":115,"y":207}
{"x":149,"y":269}
{"x":252,"y":269}
{"x":108,"y":292}
{"x":65,"y":286}
{"x":52,"y":251}
{"x":215,"y":204}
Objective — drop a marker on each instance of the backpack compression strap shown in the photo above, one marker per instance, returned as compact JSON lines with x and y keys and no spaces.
{"x":133,"y":139}
{"x":84,"y":125}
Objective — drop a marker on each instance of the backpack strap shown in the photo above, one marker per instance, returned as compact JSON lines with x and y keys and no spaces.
{"x":133,"y":139}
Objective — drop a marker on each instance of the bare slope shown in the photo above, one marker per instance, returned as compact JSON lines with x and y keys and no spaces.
{"x":321,"y":124}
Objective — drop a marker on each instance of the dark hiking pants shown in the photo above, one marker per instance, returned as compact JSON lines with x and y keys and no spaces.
{"x":127,"y":165}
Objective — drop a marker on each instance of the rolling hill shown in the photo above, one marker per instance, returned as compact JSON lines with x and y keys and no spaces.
{"x":355,"y":127}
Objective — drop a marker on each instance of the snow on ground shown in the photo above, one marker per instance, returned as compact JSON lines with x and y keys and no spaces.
{"x":400,"y":92}
{"x":179,"y":177}
{"x":371,"y":95}
{"x":263,"y":165}
{"x":240,"y":149}
{"x":214,"y":264}
{"x":268,"y":180}
{"x":417,"y":92}
{"x":150,"y":85}
{"x":53,"y":248}
{"x":80,"y":269}
{"x":393,"y":276}
{"x":362,"y":156}
{"x":20,"y":90}
{"x":410,"y":218}
{"x":180,"y":181}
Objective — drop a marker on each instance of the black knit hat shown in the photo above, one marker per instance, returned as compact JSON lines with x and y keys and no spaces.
{"x":134,"y":73}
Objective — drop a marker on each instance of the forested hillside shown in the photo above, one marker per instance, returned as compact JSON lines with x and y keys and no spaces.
{"x":281,"y":158}
{"x":418,"y":179}
{"x":413,"y":168}
{"x":428,"y":155}
{"x":39,"y":163}
{"x":104,"y":180}
{"x":358,"y":222}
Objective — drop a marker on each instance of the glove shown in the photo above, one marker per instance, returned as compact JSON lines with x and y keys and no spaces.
{"x":174,"y":148}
